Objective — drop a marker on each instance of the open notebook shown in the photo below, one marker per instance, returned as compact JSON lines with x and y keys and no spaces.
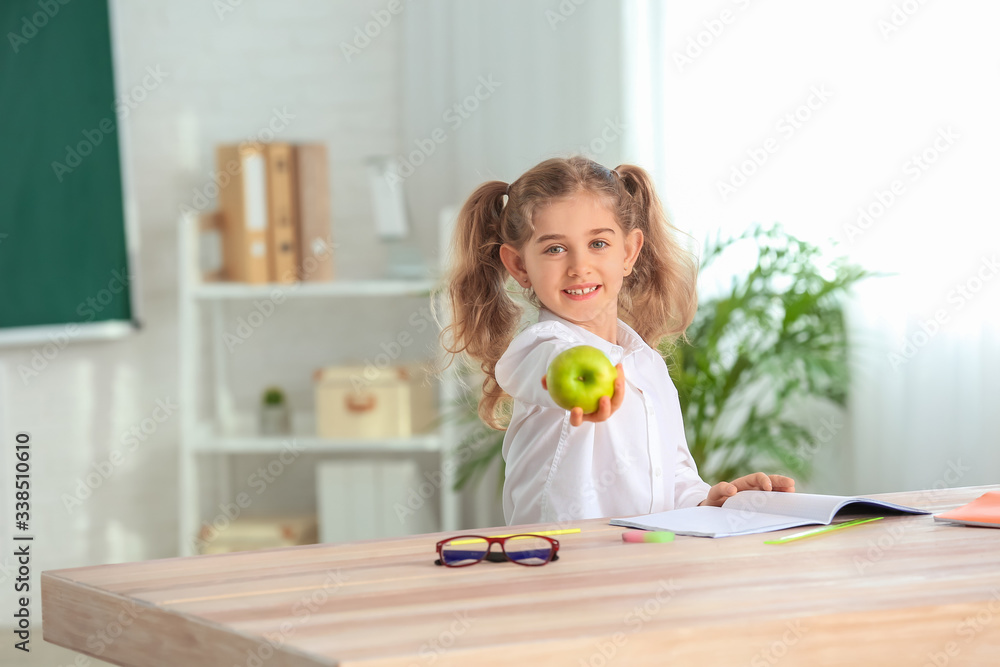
{"x":750,"y":512}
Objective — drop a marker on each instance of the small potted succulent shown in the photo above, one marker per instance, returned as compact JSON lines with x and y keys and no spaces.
{"x":275,"y":416}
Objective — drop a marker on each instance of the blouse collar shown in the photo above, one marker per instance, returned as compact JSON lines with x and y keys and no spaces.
{"x":628,"y":340}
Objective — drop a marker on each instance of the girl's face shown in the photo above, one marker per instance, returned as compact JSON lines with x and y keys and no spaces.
{"x":576,"y":261}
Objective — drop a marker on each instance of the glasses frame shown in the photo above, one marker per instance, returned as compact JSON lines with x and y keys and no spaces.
{"x":489,"y":555}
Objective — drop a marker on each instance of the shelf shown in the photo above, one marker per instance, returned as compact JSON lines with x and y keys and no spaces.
{"x":342,"y":288}
{"x":215,"y":432}
{"x":430,"y":442}
{"x":242,"y":437}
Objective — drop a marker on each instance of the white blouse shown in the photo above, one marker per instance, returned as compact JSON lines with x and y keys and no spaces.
{"x":636,"y":462}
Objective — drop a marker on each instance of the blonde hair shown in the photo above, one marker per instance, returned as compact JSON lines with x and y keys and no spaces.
{"x":658,"y":299}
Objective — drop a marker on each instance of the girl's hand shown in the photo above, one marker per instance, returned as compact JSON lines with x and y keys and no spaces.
{"x":757,"y":481}
{"x":606,"y":407}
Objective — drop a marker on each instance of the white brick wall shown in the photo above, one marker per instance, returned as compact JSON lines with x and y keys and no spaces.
{"x":228,"y":75}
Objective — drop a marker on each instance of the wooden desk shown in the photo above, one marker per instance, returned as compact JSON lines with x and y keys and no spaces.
{"x":901,"y":591}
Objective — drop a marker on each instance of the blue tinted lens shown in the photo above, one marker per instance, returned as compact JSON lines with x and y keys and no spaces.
{"x":463,"y":551}
{"x":528,"y":550}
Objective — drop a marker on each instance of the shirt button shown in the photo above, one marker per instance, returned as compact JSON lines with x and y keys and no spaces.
{"x":658,"y":472}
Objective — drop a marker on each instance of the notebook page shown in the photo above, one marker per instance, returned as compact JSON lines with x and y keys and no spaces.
{"x":808,"y":506}
{"x":814,"y":507}
{"x":711,"y":522}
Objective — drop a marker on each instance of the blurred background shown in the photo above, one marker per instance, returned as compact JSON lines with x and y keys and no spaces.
{"x":865,"y":129}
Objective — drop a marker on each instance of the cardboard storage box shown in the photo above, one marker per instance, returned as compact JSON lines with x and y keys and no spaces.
{"x":252,"y":533}
{"x":367,"y":402}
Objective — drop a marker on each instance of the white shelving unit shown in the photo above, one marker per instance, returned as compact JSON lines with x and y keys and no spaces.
{"x":222,"y":436}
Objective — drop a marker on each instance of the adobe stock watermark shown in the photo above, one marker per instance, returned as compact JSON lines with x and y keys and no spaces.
{"x":431,"y":650}
{"x":900,"y":15}
{"x":392,"y":349}
{"x":365,"y":35}
{"x":914,"y":168}
{"x":610,"y":133}
{"x":635,"y":619}
{"x":892,"y":533}
{"x":454,"y":116}
{"x":94,"y":137}
{"x":264,"y":309}
{"x":712,"y":29}
{"x":967,"y":630}
{"x":7,"y":569}
{"x":99,"y":642}
{"x":748,"y":507}
{"x":204,"y":196}
{"x":959,"y":296}
{"x":564,"y":10}
{"x":88,"y":309}
{"x":30,"y":25}
{"x":130,"y":440}
{"x":779,"y":648}
{"x":259,"y":480}
{"x":418,"y":497}
{"x":225,"y":7}
{"x":786,"y":126}
{"x":301,"y":611}
{"x":828,"y":428}
{"x":592,"y":489}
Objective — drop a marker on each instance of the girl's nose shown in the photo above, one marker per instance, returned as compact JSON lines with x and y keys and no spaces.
{"x":578,"y":266}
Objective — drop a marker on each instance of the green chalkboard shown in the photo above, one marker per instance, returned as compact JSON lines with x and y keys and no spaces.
{"x":63,"y":252}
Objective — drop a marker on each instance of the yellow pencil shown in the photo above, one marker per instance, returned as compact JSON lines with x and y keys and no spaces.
{"x":564,"y":531}
{"x":538,"y":532}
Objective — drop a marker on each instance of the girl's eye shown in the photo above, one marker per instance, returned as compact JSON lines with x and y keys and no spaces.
{"x":553,"y":250}
{"x":604,"y":244}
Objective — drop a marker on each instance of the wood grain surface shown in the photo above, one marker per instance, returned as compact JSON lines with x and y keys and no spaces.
{"x":905,"y":590}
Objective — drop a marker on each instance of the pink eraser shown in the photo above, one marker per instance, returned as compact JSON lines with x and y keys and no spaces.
{"x":647,"y":536}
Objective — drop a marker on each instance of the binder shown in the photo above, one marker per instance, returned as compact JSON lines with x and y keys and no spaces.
{"x":243,"y":204}
{"x":282,"y":249}
{"x":315,"y":227}
{"x":210,"y":259}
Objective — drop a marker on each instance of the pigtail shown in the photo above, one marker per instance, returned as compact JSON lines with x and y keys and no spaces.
{"x":659,"y":298}
{"x":484,"y":318}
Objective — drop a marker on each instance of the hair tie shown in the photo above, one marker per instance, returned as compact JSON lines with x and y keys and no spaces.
{"x":508,"y":189}
{"x":622,"y":180}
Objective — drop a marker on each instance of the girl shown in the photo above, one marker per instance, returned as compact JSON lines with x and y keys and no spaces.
{"x":585,"y":244}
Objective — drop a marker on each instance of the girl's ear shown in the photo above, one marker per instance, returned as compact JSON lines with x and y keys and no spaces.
{"x":512,"y":259}
{"x":633,"y":244}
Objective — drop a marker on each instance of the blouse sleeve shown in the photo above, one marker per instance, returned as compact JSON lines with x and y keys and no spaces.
{"x":689,"y":488}
{"x":521,"y":368}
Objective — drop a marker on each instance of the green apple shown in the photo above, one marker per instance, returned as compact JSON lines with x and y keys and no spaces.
{"x":579,"y":376}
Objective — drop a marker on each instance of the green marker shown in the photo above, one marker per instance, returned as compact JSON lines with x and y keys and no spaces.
{"x":820,"y":531}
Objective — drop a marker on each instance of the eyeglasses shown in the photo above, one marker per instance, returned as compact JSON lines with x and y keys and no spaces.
{"x":464,"y":550}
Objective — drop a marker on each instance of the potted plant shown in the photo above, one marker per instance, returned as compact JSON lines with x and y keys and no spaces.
{"x":770,"y":343}
{"x":275,"y":416}
{"x":775,"y":338}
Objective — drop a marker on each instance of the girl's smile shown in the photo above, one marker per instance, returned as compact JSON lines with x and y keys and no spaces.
{"x":581,"y":292}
